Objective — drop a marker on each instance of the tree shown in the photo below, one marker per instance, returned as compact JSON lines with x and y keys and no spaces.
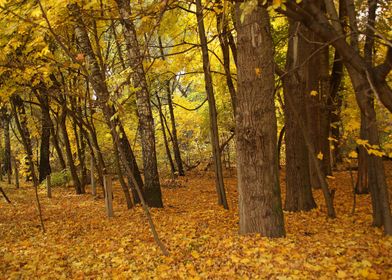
{"x":257,"y":168}
{"x":298,"y":185}
{"x":152,"y":189}
{"x":214,"y":133}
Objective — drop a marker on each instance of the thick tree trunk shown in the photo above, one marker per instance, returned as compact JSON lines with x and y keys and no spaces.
{"x":258,"y":184}
{"x":299,"y":195}
{"x":152,"y":189}
{"x":214,"y":132}
{"x":46,"y":123}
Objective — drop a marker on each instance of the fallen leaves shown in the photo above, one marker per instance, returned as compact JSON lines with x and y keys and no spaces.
{"x":202,"y":238}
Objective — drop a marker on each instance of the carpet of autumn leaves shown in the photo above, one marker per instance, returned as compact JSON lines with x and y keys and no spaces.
{"x":203,"y":239}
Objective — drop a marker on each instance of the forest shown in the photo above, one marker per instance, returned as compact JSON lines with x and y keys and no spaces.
{"x":195,"y":139}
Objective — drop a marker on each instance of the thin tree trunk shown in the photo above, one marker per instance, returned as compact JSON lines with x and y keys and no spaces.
{"x":67,"y":144}
{"x":260,"y":203}
{"x":222,"y":23}
{"x":56,"y":144}
{"x":175,"y":143}
{"x":7,"y":167}
{"x":19,"y":114}
{"x":124,"y":186}
{"x":168,"y":153}
{"x":216,"y":154}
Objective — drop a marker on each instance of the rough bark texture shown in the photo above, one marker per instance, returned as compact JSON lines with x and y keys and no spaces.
{"x":214,"y":133}
{"x":299,"y":195}
{"x":258,"y":186}
{"x":152,"y":189}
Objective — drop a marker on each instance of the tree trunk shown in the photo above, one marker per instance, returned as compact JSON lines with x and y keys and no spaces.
{"x":168,"y":153}
{"x":121,"y":178}
{"x":7,"y":168}
{"x":152,"y":189}
{"x":56,"y":144}
{"x":19,"y":114}
{"x":46,"y":123}
{"x":101,"y":90}
{"x":68,"y":151}
{"x":258,"y":183}
{"x":299,"y":195}
{"x":176,"y":146}
{"x":214,"y":133}
{"x":222,"y":23}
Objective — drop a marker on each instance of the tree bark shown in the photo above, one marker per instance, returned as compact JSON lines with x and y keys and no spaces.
{"x":260,"y":203}
{"x":214,"y":132}
{"x":152,"y":189}
{"x":19,"y":114}
{"x":68,"y":150}
{"x":299,"y":195}
{"x":222,"y":23}
{"x":165,"y":142}
{"x":7,"y":168}
{"x":46,"y":123}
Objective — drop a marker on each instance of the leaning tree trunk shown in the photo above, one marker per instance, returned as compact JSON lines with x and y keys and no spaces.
{"x":216,"y":153}
{"x":260,"y":203}
{"x":299,"y":195}
{"x":152,"y":189}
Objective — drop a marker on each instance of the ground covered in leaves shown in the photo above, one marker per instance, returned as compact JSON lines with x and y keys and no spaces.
{"x":203,"y":239}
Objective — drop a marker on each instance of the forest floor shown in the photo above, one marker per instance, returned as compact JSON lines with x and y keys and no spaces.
{"x":203,"y":240}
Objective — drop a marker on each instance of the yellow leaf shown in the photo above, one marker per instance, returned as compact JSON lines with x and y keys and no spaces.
{"x":258,"y":72}
{"x":313,"y":93}
{"x":195,"y":254}
{"x":341,"y":274}
{"x":353,"y":154}
{"x":320,"y":156}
